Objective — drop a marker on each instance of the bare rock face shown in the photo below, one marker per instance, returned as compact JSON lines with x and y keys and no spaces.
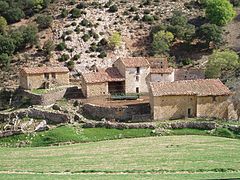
{"x":42,"y":126}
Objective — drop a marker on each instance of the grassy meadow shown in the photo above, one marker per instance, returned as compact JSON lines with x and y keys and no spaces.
{"x":166,"y":157}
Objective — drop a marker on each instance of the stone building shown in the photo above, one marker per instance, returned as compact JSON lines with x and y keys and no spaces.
{"x":136,"y":71}
{"x":102,"y":82}
{"x":190,"y":98}
{"x":160,"y":70}
{"x":43,"y":77}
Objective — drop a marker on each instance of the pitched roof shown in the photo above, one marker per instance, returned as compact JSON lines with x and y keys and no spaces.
{"x":108,"y":75}
{"x":202,"y":87}
{"x":135,"y":62}
{"x":189,"y":74}
{"x":45,"y":69}
{"x":159,"y":66}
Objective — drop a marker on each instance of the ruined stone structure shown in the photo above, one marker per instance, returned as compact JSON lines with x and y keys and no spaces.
{"x":190,"y":98}
{"x":43,"y":77}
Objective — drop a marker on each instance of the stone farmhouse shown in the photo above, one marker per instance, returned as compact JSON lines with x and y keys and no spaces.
{"x":133,"y":75}
{"x":189,"y":98}
{"x":43,"y":77}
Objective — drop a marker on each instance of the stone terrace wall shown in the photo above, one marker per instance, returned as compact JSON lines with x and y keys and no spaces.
{"x":45,"y":99}
{"x":122,"y":113}
{"x":50,"y":117}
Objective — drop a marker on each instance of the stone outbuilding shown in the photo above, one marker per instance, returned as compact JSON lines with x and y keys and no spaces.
{"x":189,"y":98}
{"x":102,"y":82}
{"x":43,"y":77}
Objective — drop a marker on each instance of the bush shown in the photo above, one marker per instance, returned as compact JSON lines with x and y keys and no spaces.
{"x":5,"y":60}
{"x":103,"y":54}
{"x":3,"y":25}
{"x":103,"y":42}
{"x":76,"y":57}
{"x":82,"y":5}
{"x":64,"y":57}
{"x":44,"y":21}
{"x":115,"y":39}
{"x":133,"y":9}
{"x":48,"y":47}
{"x":64,"y":13}
{"x":113,"y":8}
{"x":61,"y":46}
{"x":148,"y":18}
{"x":70,"y":64}
{"x":84,"y":22}
{"x":235,"y":2}
{"x":86,"y":37}
{"x":6,"y":45}
{"x":76,"y":13}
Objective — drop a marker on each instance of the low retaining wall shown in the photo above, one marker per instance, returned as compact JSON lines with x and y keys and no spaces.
{"x":123,"y":113}
{"x":50,"y":117}
{"x":44,"y":99}
{"x":147,"y":125}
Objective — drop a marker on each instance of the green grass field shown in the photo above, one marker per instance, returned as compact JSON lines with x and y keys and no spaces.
{"x":167,"y":157}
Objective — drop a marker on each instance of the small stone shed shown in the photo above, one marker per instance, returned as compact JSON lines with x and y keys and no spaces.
{"x":43,"y":77}
{"x":102,"y":82}
{"x":190,"y":98}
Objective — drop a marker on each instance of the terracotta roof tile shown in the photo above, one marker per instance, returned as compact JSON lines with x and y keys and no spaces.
{"x":107,"y":75}
{"x":203,"y":87}
{"x":159,"y":66}
{"x":45,"y":69}
{"x":189,"y":74}
{"x":135,"y":62}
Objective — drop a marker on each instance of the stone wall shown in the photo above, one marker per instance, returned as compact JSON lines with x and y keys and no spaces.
{"x":44,"y":99}
{"x":123,"y":113}
{"x":162,"y":77}
{"x":50,"y":116}
{"x":173,"y":107}
{"x":213,"y":106}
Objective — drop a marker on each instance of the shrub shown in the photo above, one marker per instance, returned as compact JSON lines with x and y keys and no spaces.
{"x":133,"y":9}
{"x":102,"y":54}
{"x":6,"y":45}
{"x":103,"y":42}
{"x":61,"y":46}
{"x":48,"y":47}
{"x":70,"y":64}
{"x":14,"y":15}
{"x":113,"y":8}
{"x":148,"y":18}
{"x":82,"y":5}
{"x":44,"y":21}
{"x":86,"y":37}
{"x":84,"y":22}
{"x":64,"y":57}
{"x":64,"y":13}
{"x":76,"y":13}
{"x":115,"y":39}
{"x":3,"y":25}
{"x":5,"y":60}
{"x":235,"y":2}
{"x":76,"y":57}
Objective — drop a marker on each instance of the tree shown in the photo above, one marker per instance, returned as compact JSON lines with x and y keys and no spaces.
{"x":6,"y":45}
{"x":13,"y":15}
{"x":180,"y":27}
{"x":161,"y":42}
{"x":29,"y":34}
{"x":219,"y":12}
{"x":210,"y":33}
{"x":48,"y":47}
{"x":115,"y":40}
{"x":44,"y":21}
{"x":221,"y":63}
{"x":5,"y":60}
{"x":3,"y":25}
{"x":3,"y":6}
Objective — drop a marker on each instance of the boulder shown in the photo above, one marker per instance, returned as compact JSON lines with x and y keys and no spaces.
{"x":42,"y":127}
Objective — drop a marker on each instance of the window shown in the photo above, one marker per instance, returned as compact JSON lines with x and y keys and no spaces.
{"x":54,"y":75}
{"x":189,"y":112}
{"x":137,"y":90}
{"x":137,"y":78}
{"x":161,"y":66}
{"x":46,"y":76}
{"x":138,"y":70}
{"x":214,"y":98}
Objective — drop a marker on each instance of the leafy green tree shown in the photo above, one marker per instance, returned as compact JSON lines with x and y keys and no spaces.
{"x":210,"y":33}
{"x":220,"y":12}
{"x":29,"y":34}
{"x":3,"y":6}
{"x":115,"y":39}
{"x":222,"y":62}
{"x":6,"y":45}
{"x":161,"y":42}
{"x":3,"y":25}
{"x":180,"y":27}
{"x":13,"y":15}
